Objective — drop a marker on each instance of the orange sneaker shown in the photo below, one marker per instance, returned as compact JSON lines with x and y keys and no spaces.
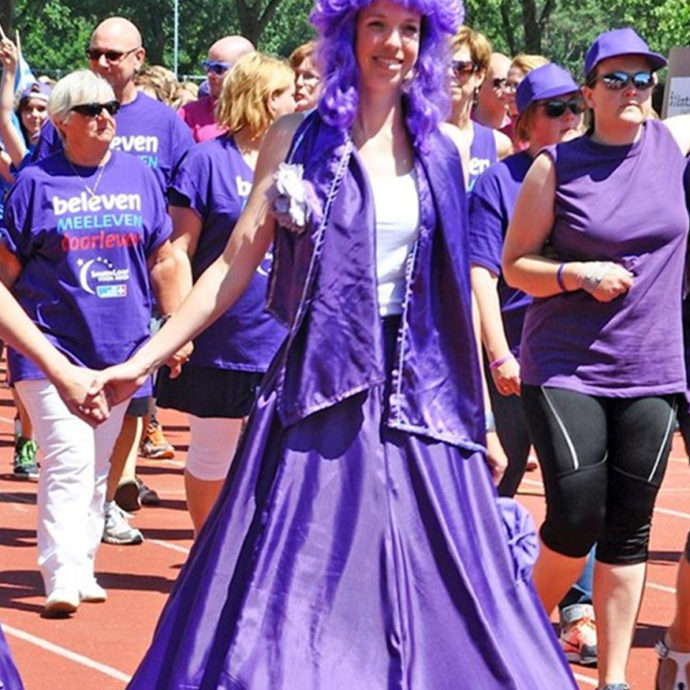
{"x":154,"y":444}
{"x":578,"y":636}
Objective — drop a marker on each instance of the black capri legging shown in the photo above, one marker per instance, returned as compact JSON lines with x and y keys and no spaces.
{"x":603,"y":460}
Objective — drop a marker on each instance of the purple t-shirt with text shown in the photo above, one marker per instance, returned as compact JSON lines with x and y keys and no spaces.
{"x":84,"y":279}
{"x":491,"y":204}
{"x":483,"y":153}
{"x":146,"y":128}
{"x":623,"y":204}
{"x":214,"y":180}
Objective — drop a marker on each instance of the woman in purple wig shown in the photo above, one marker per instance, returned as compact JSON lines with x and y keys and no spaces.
{"x":357,"y":542}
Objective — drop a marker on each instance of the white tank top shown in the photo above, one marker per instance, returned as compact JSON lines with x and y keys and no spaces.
{"x":397,"y":223}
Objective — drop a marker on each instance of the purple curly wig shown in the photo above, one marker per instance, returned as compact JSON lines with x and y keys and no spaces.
{"x":426,"y":97}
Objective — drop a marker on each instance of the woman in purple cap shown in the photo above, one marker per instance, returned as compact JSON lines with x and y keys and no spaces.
{"x":357,"y":542}
{"x":207,"y":195}
{"x":601,"y":354}
{"x":549,"y":109}
{"x":85,"y":237}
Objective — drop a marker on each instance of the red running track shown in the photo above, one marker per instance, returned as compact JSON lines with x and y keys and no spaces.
{"x":101,"y":645}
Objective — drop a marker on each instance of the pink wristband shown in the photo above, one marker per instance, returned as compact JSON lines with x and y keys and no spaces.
{"x":501,"y":360}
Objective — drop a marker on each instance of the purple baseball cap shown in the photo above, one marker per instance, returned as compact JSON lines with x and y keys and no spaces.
{"x":35,"y":90}
{"x":547,"y":81}
{"x":620,"y":42}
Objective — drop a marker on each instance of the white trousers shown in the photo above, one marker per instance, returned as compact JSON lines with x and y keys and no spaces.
{"x":71,"y":486}
{"x":212,"y":445}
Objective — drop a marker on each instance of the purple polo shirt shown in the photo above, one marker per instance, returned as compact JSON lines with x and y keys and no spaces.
{"x":214,"y":180}
{"x":491,"y":205}
{"x":200,"y":117}
{"x":623,"y":204}
{"x":145,"y":128}
{"x":84,"y":280}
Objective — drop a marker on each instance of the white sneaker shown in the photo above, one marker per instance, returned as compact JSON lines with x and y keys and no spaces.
{"x":62,"y":601}
{"x":117,"y":529}
{"x":92,"y":592}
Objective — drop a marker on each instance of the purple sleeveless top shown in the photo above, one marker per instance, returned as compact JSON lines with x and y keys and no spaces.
{"x":482,"y":153}
{"x":612,"y":204}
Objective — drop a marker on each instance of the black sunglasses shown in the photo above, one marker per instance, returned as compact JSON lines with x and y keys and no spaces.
{"x":215,"y":66}
{"x":556,"y":108}
{"x":110,"y":55}
{"x":499,"y":83}
{"x":463,"y":67}
{"x":95,"y":109}
{"x":616,"y":81}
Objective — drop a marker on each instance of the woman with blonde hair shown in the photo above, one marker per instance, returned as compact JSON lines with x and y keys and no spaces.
{"x":479,"y":146}
{"x":207,"y":196}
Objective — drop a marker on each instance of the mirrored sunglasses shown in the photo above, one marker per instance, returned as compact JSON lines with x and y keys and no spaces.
{"x":616,"y":81}
{"x":215,"y":66}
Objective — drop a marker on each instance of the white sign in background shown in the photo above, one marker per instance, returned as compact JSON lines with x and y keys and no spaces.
{"x":678,"y":96}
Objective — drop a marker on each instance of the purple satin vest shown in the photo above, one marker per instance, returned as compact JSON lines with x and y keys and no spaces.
{"x":323,"y":285}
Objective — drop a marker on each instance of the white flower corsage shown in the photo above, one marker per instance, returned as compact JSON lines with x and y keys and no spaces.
{"x":292,"y":198}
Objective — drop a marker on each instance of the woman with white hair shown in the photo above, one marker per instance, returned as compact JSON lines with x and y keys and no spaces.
{"x":85,"y":237}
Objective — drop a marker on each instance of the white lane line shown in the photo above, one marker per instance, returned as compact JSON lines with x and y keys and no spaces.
{"x":67,"y":654}
{"x":533,"y":482}
{"x":674,"y":513}
{"x":660,"y":588}
{"x":586,"y":679}
{"x":165,"y":545}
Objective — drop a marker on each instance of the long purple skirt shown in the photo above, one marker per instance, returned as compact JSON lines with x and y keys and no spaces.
{"x":9,"y":676}
{"x":346,"y":556}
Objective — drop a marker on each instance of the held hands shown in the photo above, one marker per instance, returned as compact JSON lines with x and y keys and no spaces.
{"x":79,"y":390}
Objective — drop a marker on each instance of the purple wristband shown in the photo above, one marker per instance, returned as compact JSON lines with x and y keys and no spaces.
{"x":501,"y":360}
{"x":559,"y":278}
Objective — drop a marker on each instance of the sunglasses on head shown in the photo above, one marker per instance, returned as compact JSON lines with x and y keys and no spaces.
{"x":557,"y":107}
{"x":461,"y":67}
{"x":110,"y":55}
{"x":616,"y":81}
{"x":95,"y":109}
{"x":215,"y":66}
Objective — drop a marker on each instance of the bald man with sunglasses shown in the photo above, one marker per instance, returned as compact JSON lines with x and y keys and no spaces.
{"x":145,"y":127}
{"x":200,"y":115}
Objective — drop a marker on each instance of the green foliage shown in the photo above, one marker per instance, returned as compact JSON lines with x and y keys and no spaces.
{"x":55,"y":32}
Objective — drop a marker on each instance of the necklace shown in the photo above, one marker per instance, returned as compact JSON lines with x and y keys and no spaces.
{"x":90,"y":190}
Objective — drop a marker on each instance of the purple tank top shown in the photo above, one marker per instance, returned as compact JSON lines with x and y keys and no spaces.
{"x":613,"y":204}
{"x":482,"y":153}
